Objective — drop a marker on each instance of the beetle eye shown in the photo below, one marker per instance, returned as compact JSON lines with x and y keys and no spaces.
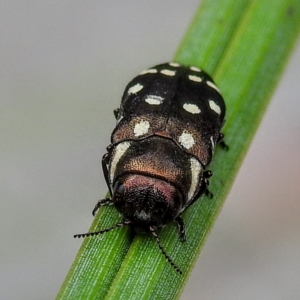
{"x":119,"y":188}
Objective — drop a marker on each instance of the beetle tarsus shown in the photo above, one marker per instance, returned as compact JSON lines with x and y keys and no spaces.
{"x":103,"y":202}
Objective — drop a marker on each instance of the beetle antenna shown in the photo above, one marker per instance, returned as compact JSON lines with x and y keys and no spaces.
{"x":121,"y":224}
{"x":168,"y":258}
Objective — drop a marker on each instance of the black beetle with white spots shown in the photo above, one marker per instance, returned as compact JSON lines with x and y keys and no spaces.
{"x":168,"y":125}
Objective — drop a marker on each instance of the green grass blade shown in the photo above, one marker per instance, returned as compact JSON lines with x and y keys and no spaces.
{"x":247,"y":74}
{"x":97,"y":261}
{"x":211,"y":30}
{"x":244,"y":45}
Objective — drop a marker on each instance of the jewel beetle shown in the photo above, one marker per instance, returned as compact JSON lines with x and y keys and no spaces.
{"x":168,"y":125}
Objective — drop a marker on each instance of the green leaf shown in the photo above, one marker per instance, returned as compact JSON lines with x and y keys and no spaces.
{"x":244,"y":45}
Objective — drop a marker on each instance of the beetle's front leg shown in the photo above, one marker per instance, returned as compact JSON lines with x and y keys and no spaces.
{"x":103,"y":202}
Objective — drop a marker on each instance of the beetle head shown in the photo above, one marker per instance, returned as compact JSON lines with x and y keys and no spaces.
{"x":146,"y":201}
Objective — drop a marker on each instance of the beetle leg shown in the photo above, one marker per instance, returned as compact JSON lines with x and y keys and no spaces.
{"x":207,"y":174}
{"x":103,"y":202}
{"x":105,"y":159}
{"x":208,"y":194}
{"x":181,"y":227}
{"x":221,"y":142}
{"x":116,"y":112}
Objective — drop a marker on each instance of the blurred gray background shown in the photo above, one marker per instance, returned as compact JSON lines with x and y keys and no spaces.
{"x":63,"y":68}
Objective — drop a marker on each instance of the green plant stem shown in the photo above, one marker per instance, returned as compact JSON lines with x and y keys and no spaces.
{"x":245,"y":46}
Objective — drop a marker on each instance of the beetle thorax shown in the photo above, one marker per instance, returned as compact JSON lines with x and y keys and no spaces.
{"x":146,"y":201}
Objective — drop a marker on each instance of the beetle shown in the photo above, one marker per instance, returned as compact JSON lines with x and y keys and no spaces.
{"x":168,"y":125}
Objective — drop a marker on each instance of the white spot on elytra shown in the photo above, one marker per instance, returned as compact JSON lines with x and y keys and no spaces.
{"x":118,"y":153}
{"x":195,"y":69}
{"x":212,"y":141}
{"x":149,"y":71}
{"x":141,"y":128}
{"x":186,"y":140}
{"x":168,"y":72}
{"x":216,"y":108}
{"x":191,"y":108}
{"x":154,"y":100}
{"x":134,"y":89}
{"x":195,"y":78}
{"x":174,"y":64}
{"x":209,"y":83}
{"x":195,"y":170}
